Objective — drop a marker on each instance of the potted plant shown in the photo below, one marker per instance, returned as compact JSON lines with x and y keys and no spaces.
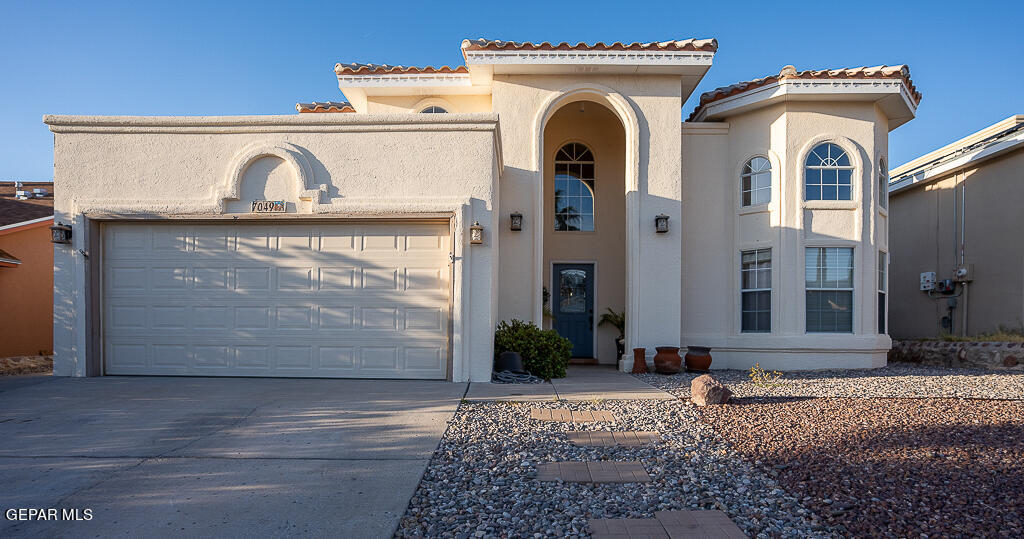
{"x":618,"y":321}
{"x":698,"y":358}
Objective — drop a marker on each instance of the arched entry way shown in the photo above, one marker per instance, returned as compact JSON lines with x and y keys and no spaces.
{"x":584,"y":194}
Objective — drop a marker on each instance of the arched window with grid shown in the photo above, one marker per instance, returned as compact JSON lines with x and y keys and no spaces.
{"x":574,"y":188}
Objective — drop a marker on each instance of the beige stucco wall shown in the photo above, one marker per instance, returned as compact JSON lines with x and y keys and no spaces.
{"x":926,"y":233}
{"x":716,"y":228}
{"x":347,"y":164}
{"x":598,"y":129}
{"x":416,"y":103}
{"x":649,"y":109}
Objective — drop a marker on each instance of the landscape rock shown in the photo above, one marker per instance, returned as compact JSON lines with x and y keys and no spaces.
{"x":705,"y":390}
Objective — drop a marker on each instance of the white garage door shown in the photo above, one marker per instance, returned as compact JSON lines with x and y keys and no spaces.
{"x":366,"y":300}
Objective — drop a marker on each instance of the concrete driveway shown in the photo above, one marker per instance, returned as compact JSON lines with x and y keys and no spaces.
{"x":224,"y":457}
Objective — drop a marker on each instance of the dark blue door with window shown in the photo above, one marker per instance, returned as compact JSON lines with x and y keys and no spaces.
{"x":573,"y":302}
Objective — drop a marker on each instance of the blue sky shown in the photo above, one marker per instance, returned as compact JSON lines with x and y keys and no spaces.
{"x":210,"y":58}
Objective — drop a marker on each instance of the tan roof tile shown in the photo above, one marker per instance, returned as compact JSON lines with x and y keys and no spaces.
{"x":710,"y":45}
{"x":325,"y":106}
{"x":790,"y":72}
{"x":385,"y":69}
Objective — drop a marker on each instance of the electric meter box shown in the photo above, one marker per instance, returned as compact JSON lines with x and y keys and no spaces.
{"x":927,"y":281}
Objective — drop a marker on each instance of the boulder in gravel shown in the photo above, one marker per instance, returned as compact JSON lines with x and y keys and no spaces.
{"x":705,"y":390}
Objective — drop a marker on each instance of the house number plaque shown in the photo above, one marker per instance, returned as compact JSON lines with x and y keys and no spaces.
{"x":267,"y":206}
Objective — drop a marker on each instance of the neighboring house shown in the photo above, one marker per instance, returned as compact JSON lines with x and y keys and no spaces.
{"x":960,"y":208}
{"x":26,"y":269}
{"x":404,"y":238}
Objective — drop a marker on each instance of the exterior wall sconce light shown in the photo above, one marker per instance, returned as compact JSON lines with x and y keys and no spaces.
{"x":476,"y":233}
{"x":60,"y":233}
{"x":661,"y":223}
{"x":515,"y":221}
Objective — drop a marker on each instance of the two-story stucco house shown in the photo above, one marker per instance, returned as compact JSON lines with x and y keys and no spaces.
{"x":437,"y":202}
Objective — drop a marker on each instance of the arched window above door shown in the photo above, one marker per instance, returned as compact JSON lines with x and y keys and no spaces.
{"x":574,"y":188}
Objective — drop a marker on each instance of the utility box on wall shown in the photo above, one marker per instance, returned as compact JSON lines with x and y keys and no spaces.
{"x":927,"y":281}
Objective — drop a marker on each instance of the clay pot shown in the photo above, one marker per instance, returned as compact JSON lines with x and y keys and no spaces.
{"x":639,"y":361}
{"x":667,"y":360}
{"x":698,"y":358}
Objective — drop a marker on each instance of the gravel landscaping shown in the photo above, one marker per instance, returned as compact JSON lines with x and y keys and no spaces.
{"x":17,"y":365}
{"x":820,"y":454}
{"x":890,"y":467}
{"x":897,"y":380}
{"x":482,"y":479}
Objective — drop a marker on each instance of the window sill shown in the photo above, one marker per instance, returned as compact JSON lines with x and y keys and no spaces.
{"x":884,"y":212}
{"x":831,"y":205}
{"x":760,"y":208}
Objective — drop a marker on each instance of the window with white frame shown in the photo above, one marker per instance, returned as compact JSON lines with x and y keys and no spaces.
{"x":433,"y":109}
{"x":828,"y":173}
{"x":829,"y":285}
{"x":882,"y":289}
{"x":756,"y":291}
{"x":574,"y":188}
{"x":756,"y":182}
{"x":883,"y":184}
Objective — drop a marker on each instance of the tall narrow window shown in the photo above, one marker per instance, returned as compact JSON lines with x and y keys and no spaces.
{"x":574,"y":188}
{"x":756,"y":291}
{"x":883,"y":184}
{"x":756,"y":182}
{"x":828,"y":173}
{"x":829,"y":282}
{"x":882,"y":289}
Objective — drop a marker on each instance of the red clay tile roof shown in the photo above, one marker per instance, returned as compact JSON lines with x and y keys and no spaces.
{"x":13,"y":210}
{"x":790,"y":72}
{"x":710,"y":45}
{"x":385,"y":69}
{"x":325,"y":106}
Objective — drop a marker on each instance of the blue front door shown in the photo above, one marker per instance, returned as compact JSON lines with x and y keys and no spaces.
{"x":573,"y":301}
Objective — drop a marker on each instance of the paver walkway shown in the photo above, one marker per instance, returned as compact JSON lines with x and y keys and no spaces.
{"x":582,"y":383}
{"x":671,"y":524}
{"x":605,"y":438}
{"x":593,"y":472}
{"x":571,"y":416}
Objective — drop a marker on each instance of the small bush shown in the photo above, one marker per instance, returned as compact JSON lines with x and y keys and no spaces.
{"x":545,"y":353}
{"x":763,"y":378}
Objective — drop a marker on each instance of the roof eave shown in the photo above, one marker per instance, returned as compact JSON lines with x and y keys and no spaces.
{"x":892,"y":94}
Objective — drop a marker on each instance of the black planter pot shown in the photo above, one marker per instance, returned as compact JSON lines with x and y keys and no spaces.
{"x":620,"y":348}
{"x":509,"y":361}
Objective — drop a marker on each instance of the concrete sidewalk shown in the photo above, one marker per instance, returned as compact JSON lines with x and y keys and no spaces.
{"x":218,"y":457}
{"x":582,"y":382}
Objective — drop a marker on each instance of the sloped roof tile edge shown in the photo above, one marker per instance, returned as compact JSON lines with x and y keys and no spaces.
{"x":789,"y":72}
{"x":325,"y":106}
{"x":480,"y":44}
{"x":385,"y":69}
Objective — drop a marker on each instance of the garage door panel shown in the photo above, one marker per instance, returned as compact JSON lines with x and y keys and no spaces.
{"x":281,"y":300}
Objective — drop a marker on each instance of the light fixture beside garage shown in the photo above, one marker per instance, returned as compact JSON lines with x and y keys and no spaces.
{"x":661,"y":223}
{"x":515,"y":221}
{"x":476,"y":233}
{"x":60,"y":233}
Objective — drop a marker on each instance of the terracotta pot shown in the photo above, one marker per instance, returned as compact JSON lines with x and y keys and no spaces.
{"x":698,"y":358}
{"x":639,"y":361}
{"x":667,"y":360}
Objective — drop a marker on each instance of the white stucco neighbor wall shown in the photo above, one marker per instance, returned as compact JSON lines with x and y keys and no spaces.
{"x":716,"y":228}
{"x":343,"y":165}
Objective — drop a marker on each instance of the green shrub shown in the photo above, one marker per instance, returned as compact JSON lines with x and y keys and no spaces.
{"x":545,"y":353}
